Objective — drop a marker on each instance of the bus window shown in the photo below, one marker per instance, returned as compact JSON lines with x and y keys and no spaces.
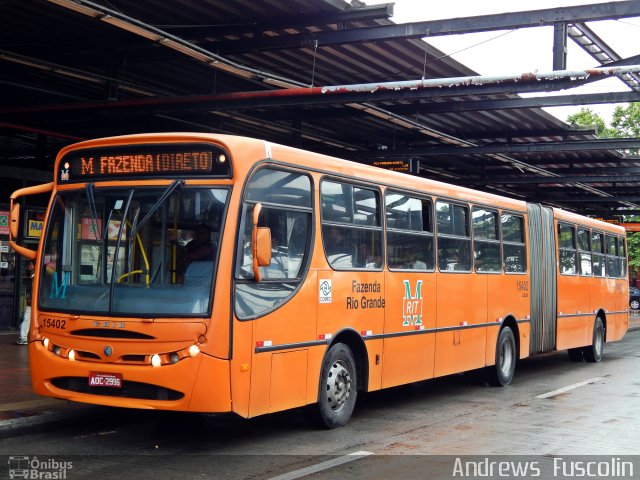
{"x":351,"y":227}
{"x":513,"y":243}
{"x":409,"y":233}
{"x":125,"y":251}
{"x":597,"y":247}
{"x":567,"y":248}
{"x":286,"y":211}
{"x":613,"y":265}
{"x":486,"y":240}
{"x":623,"y":257}
{"x":584,"y":252}
{"x":454,"y":238}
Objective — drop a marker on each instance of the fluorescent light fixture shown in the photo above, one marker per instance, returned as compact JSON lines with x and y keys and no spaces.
{"x":279,"y":83}
{"x":77,"y":7}
{"x":131,"y":27}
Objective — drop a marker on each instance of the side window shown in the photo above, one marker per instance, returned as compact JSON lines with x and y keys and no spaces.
{"x":286,"y":211}
{"x":486,"y":240}
{"x":613,"y":265}
{"x":351,"y":226}
{"x":584,"y":252}
{"x":623,"y":257}
{"x":597,"y":247}
{"x":513,"y":243}
{"x":409,"y":233}
{"x":454,"y":237}
{"x":567,"y":249}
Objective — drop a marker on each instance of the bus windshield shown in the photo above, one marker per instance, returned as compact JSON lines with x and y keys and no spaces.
{"x":147,"y":251}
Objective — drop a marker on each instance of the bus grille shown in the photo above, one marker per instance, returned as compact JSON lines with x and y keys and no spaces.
{"x":129,"y":389}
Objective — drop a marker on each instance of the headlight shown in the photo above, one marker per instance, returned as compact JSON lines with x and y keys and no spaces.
{"x":155,"y":360}
{"x":194,"y":350}
{"x":71,"y":355}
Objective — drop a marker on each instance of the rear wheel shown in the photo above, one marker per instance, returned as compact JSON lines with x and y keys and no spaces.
{"x":501,"y":373}
{"x":338,"y":387}
{"x":634,"y":304}
{"x":593,"y":353}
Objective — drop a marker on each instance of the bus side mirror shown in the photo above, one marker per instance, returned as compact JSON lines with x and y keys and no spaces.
{"x":14,"y":223}
{"x":260,"y":244}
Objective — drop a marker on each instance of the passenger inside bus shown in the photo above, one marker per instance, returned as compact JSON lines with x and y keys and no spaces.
{"x":339,"y":252}
{"x":200,"y":248}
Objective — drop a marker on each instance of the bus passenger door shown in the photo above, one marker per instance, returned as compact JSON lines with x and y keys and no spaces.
{"x":461,"y":294}
{"x":410,"y":320}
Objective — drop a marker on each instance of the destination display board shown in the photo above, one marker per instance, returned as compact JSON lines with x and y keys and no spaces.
{"x":175,"y":160}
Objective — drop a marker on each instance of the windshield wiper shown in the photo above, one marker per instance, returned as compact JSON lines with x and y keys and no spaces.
{"x":170,"y":189}
{"x":94,"y":212}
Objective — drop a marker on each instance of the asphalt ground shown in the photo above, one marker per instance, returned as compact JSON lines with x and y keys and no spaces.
{"x":21,"y":411}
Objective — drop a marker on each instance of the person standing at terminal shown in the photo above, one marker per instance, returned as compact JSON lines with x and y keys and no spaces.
{"x":26,"y":317}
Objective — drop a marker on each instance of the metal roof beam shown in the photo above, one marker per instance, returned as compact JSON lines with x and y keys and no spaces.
{"x":583,"y":199}
{"x":353,"y":14}
{"x":612,"y":213}
{"x":597,"y":170}
{"x":482,"y":23}
{"x":470,"y":105}
{"x":591,"y":43}
{"x":365,"y":92}
{"x":584,"y":145}
{"x":539,"y":180}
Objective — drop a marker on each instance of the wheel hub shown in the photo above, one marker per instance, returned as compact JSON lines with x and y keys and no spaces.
{"x":506,"y":358}
{"x":338,"y":385}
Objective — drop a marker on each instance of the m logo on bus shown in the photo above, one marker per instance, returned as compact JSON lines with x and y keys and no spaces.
{"x":412,"y":304}
{"x":59,"y":290}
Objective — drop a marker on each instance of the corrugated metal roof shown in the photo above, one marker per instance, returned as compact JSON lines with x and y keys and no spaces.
{"x":52,"y":55}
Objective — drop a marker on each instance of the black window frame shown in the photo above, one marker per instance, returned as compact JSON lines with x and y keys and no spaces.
{"x":346,"y":225}
{"x":511,"y":243}
{"x":572,"y":250}
{"x":428,"y":234}
{"x":497,"y":241}
{"x":582,"y":251}
{"x":290,"y":286}
{"x":453,"y":237}
{"x":598,"y":253}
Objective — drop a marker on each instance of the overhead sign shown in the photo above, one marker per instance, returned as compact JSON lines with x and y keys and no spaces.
{"x":395,"y":165}
{"x":140,"y":161}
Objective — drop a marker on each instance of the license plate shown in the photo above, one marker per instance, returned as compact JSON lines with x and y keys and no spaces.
{"x":100,"y":379}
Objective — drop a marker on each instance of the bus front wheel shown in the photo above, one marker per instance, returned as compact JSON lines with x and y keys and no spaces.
{"x":500,"y":374}
{"x":338,"y":387}
{"x":593,"y":353}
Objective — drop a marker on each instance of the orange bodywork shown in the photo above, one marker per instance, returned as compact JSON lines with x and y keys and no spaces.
{"x":410,"y":326}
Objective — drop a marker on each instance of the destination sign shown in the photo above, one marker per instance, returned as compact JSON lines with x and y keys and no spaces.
{"x":145,"y":161}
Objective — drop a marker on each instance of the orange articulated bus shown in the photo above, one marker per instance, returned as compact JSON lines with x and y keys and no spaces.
{"x":214,"y":273}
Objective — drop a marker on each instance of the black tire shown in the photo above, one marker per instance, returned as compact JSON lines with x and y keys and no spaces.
{"x":634,"y":304}
{"x":338,"y":388}
{"x":575,"y":354}
{"x":593,"y":353}
{"x":501,"y":374}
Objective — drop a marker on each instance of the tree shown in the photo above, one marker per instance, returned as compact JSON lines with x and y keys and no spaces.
{"x":588,"y":118}
{"x":625,"y":123}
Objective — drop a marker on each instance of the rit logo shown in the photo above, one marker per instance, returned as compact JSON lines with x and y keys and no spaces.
{"x":412,"y":304}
